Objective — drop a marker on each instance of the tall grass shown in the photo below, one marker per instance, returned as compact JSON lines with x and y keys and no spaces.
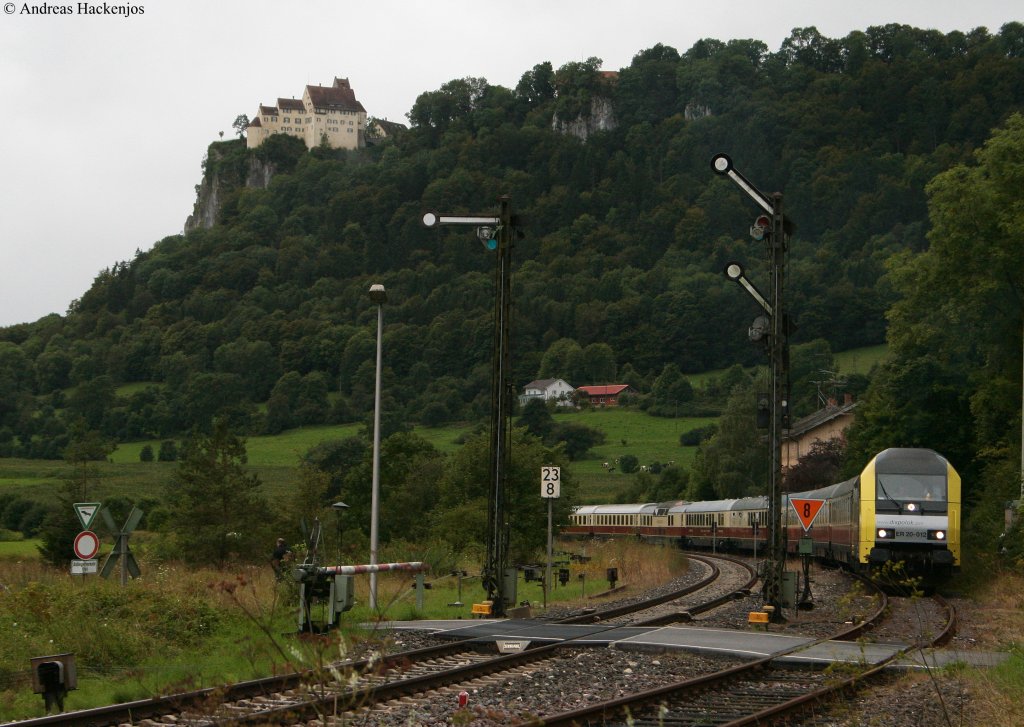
{"x":178,"y":628}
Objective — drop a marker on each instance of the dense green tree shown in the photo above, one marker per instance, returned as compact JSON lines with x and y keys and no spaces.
{"x":536,"y":418}
{"x":58,"y":528}
{"x":168,"y":451}
{"x":734,"y":461}
{"x":461,"y":517}
{"x":671,"y":391}
{"x":217,"y":508}
{"x":952,"y":381}
{"x":337,"y":458}
{"x":629,"y":464}
{"x":576,"y":439}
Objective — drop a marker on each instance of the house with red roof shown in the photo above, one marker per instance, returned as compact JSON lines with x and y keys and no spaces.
{"x":604,"y":395}
{"x":325,"y":115}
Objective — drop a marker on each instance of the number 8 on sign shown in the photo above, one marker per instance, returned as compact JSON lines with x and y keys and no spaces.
{"x":550,"y":482}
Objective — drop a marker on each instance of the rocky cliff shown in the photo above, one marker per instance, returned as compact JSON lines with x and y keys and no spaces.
{"x":600,"y":118}
{"x":225,"y":169}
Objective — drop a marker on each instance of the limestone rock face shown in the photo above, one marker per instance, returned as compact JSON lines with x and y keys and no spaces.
{"x":600,"y":118}
{"x":219,"y":179}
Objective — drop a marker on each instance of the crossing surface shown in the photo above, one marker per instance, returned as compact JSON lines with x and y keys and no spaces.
{"x":751,"y":644}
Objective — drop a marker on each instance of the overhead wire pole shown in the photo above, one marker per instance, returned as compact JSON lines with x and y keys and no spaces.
{"x":774,"y":230}
{"x":498,"y":234}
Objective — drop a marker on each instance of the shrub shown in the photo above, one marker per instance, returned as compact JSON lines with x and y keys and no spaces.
{"x":629,"y":464}
{"x":694,"y":437}
{"x":168,"y":451}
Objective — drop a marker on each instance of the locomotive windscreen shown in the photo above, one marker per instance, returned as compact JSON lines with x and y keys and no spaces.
{"x":910,"y":475}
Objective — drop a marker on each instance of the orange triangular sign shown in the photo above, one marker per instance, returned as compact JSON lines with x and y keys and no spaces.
{"x":806,"y":510}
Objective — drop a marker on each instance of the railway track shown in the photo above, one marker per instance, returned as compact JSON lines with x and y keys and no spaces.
{"x":365,"y":683}
{"x":727,"y":579}
{"x":389,"y":690}
{"x":759,"y":692}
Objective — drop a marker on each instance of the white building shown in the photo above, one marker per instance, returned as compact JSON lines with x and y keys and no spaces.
{"x":330,"y":115}
{"x":546,"y":389}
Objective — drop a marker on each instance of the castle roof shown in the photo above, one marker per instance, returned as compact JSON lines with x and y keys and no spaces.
{"x":255,"y":122}
{"x":290,"y":104}
{"x":268,"y":110}
{"x":338,"y":97}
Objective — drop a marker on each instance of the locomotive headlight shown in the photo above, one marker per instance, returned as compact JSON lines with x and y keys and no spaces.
{"x":911,"y":507}
{"x":936,"y":534}
{"x":883,"y":534}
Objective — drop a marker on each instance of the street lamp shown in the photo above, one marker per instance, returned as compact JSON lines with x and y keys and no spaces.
{"x":379,"y":296}
{"x":339,"y":507}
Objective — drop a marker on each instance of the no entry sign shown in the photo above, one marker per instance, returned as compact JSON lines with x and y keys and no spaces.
{"x":87,"y":544}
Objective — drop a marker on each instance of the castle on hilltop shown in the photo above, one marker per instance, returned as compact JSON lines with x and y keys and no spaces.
{"x":330,"y":115}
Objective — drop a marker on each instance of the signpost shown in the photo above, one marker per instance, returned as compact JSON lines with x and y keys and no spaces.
{"x":87,"y":544}
{"x":82,"y":567}
{"x":807,"y":510}
{"x":550,"y":489}
{"x":86,"y":512}
{"x":128,"y":564}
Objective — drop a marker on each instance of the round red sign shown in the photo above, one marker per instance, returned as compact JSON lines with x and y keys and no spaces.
{"x":87,"y":544}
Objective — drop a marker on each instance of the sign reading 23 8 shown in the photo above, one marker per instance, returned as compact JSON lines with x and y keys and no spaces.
{"x":550,"y":482}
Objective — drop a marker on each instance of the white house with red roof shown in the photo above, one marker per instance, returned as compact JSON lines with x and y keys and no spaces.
{"x":325,"y":114}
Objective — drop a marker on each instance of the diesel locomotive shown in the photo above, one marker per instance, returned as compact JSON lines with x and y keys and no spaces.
{"x":903,"y":507}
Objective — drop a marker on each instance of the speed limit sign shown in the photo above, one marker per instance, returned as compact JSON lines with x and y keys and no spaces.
{"x":550,"y":482}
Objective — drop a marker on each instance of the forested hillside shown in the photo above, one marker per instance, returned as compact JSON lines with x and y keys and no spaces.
{"x":264,"y":316}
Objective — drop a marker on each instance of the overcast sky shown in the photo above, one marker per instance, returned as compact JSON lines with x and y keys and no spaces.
{"x":108,"y":117}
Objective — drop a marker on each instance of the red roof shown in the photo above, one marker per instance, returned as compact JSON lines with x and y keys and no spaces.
{"x":290,"y":104}
{"x":603,"y":390}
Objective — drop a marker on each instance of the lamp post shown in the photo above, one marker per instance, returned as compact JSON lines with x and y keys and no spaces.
{"x":339,"y":507}
{"x":379,"y":296}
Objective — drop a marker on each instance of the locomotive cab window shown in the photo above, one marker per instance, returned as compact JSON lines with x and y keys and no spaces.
{"x":899,"y":492}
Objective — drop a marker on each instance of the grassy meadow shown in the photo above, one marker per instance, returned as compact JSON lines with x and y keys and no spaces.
{"x":627,"y":431}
